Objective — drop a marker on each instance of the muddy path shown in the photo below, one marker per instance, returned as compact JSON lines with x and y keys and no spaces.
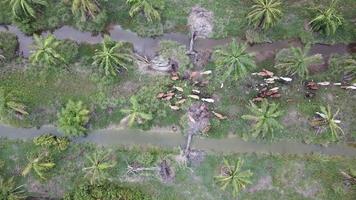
{"x":167,"y":139}
{"x":149,"y":46}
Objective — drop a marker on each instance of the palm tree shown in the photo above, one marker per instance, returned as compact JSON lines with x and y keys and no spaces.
{"x":265,"y":118}
{"x":265,"y":13}
{"x":328,"y":118}
{"x":25,"y":8}
{"x":99,"y":163}
{"x":234,"y":61}
{"x":10,"y":191}
{"x":150,"y":10}
{"x":85,"y":8}
{"x":111,"y":57}
{"x":39,"y":165}
{"x":135,"y":113}
{"x":9,"y":104}
{"x":327,"y":19}
{"x":73,"y":118}
{"x":234,"y":177}
{"x":296,"y":60}
{"x":45,"y":50}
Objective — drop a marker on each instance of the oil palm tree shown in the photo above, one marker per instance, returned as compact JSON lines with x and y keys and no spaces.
{"x":45,"y":51}
{"x":85,"y":8}
{"x":135,"y":114}
{"x":296,"y":61}
{"x":39,"y":165}
{"x":233,"y":61}
{"x":9,"y":104}
{"x":111,"y":57}
{"x":265,"y":118}
{"x":25,"y":8}
{"x":149,"y":9}
{"x":329,"y":119}
{"x":73,"y":118}
{"x":98,"y":164}
{"x":265,"y":13}
{"x":327,"y":20}
{"x":233,"y":177}
{"x":10,"y":191}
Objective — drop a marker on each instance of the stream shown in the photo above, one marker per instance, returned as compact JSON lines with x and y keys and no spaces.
{"x":166,"y":138}
{"x":149,"y":46}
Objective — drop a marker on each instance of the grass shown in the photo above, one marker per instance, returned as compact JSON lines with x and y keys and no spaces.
{"x":290,"y":176}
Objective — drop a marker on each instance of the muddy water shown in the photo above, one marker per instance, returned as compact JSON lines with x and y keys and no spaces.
{"x":143,"y":46}
{"x":149,"y":46}
{"x":166,"y":138}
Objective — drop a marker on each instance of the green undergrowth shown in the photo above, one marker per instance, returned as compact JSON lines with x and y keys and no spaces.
{"x":274,"y":176}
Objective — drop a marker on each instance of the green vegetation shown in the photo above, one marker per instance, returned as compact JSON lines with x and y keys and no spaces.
{"x":73,"y":118}
{"x":46,"y":51}
{"x":233,"y":62}
{"x":296,"y":61}
{"x":111,"y":58}
{"x":265,"y":118}
{"x":105,"y":191}
{"x":8,"y":46}
{"x":135,"y":114}
{"x":265,"y":13}
{"x":328,"y":118}
{"x":232,"y":176}
{"x":150,"y":8}
{"x":85,"y":8}
{"x":10,"y":191}
{"x":98,"y":164}
{"x":39,"y":164}
{"x":327,"y":19}
{"x":26,"y":8}
{"x":49,"y":141}
{"x":9,"y":105}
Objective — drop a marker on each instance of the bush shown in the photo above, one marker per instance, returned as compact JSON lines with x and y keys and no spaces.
{"x":106,"y":191}
{"x":8,"y":45}
{"x":73,"y":118}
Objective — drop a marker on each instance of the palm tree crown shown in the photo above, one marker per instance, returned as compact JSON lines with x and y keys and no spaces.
{"x":327,"y":20}
{"x":234,"y":61}
{"x":111,"y":57}
{"x":45,"y":50}
{"x":265,"y":118}
{"x":135,"y":113}
{"x":329,"y":119}
{"x":233,"y":176}
{"x":39,"y":165}
{"x":85,"y":8}
{"x":25,"y":8}
{"x":150,"y":10}
{"x":265,"y":13}
{"x":10,"y":191}
{"x":99,"y":163}
{"x":296,"y":61}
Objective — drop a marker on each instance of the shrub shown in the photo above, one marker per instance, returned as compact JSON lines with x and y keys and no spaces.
{"x":106,"y":191}
{"x":8,"y":45}
{"x":73,"y":118}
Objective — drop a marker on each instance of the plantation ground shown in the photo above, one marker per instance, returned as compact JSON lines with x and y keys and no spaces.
{"x":275,"y":177}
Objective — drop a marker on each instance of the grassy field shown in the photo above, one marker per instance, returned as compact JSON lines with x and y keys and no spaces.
{"x":274,"y":176}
